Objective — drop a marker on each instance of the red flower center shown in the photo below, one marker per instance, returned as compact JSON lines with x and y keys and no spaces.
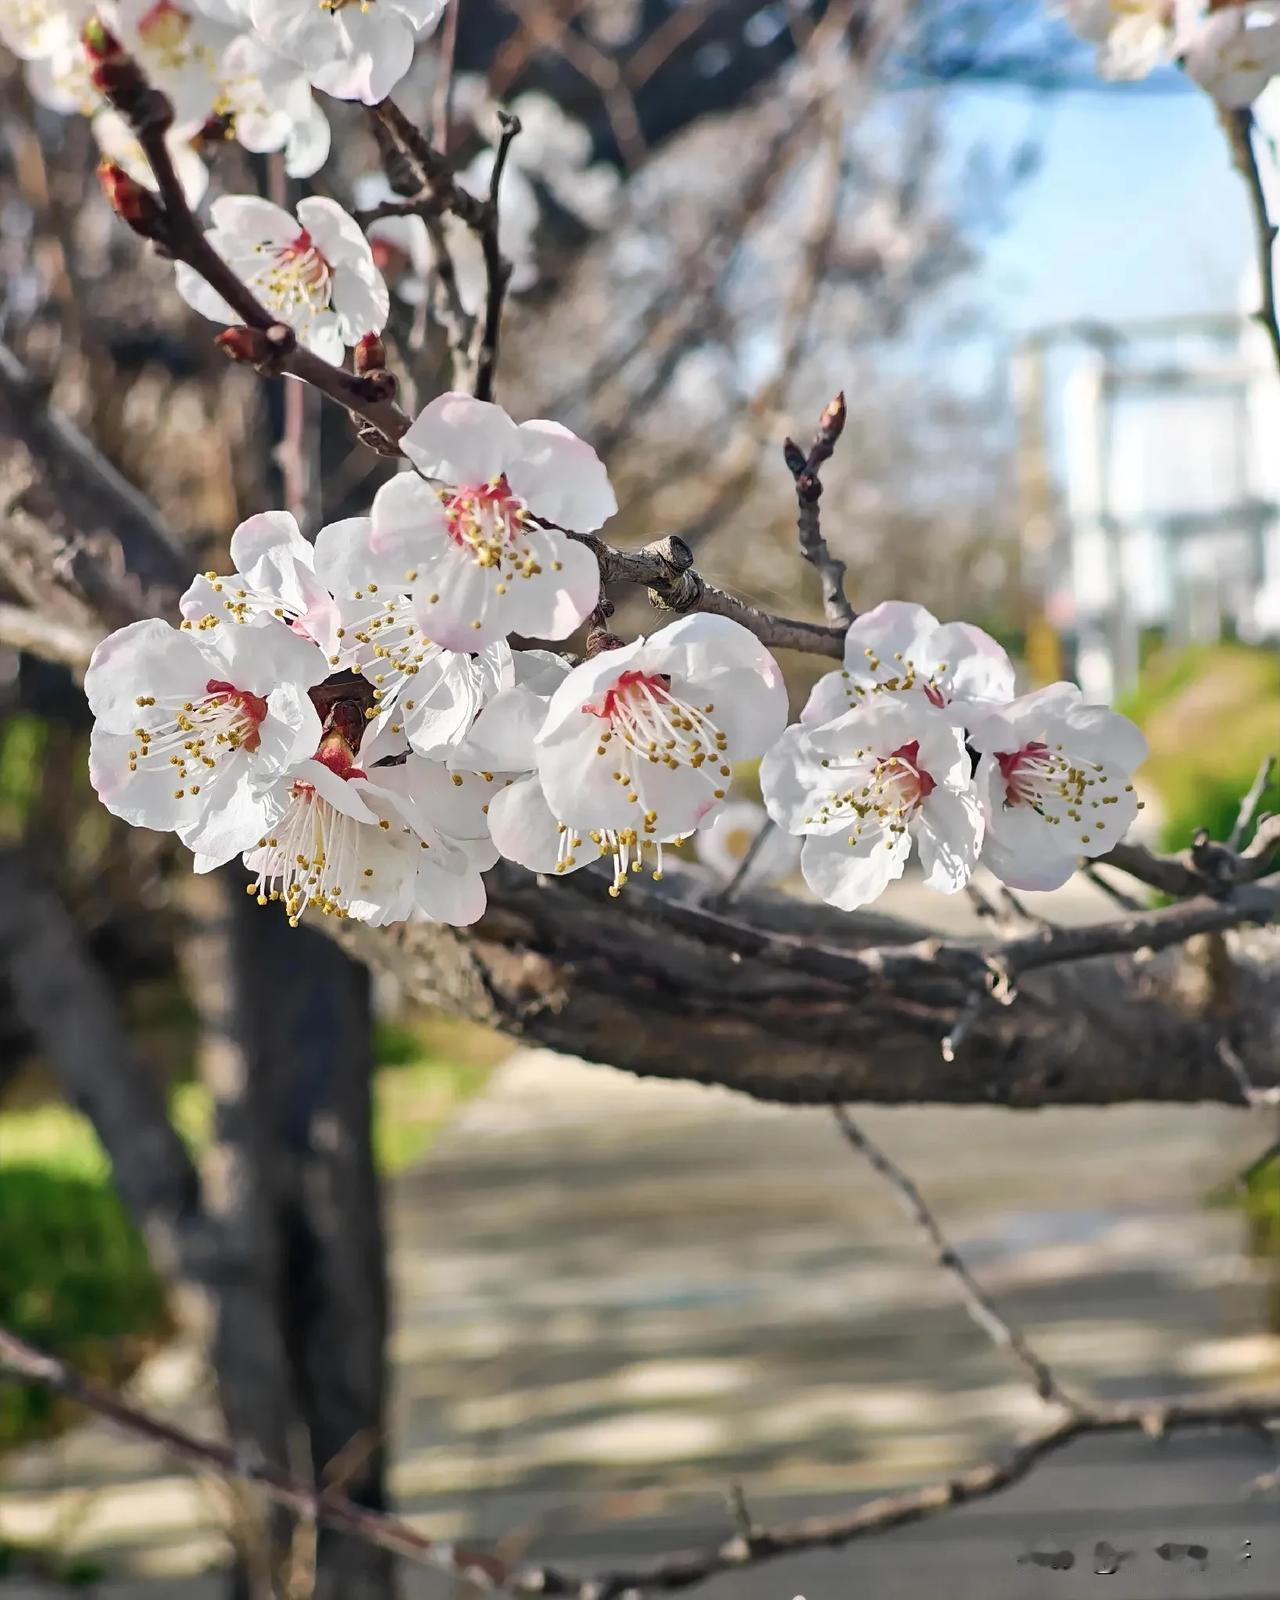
{"x":251,"y":706}
{"x":914,"y":782}
{"x":1020,"y":770}
{"x":628,"y":687}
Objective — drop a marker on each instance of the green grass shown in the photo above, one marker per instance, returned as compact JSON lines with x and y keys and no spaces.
{"x":74,"y":1276}
{"x":1211,"y":713}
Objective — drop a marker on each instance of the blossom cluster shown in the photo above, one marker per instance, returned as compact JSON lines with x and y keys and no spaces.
{"x":242,"y":69}
{"x":1231,"y":49}
{"x":350,"y":717}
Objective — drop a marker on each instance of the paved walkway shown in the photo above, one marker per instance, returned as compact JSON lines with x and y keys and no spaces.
{"x":614,"y":1298}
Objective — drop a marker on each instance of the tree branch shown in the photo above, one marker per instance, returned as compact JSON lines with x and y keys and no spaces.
{"x":977,"y":1303}
{"x":805,"y":469}
{"x":679,"y":1571}
{"x":1238,"y":127}
{"x":497,"y":268}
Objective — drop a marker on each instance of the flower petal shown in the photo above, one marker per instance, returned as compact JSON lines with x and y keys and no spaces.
{"x":560,"y":477}
{"x":461,"y":441}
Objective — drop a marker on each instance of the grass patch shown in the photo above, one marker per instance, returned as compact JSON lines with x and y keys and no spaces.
{"x":74,"y":1276}
{"x":1211,"y":713}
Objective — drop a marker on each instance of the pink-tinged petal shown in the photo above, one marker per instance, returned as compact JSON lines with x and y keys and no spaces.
{"x":832,"y":695}
{"x":449,"y":891}
{"x":948,"y":834}
{"x":253,"y":220}
{"x":343,"y":794}
{"x":336,"y":234}
{"x":361,"y":300}
{"x":1046,"y":870}
{"x":560,"y":477}
{"x":1026,"y":718}
{"x":266,"y":548}
{"x":456,"y":604}
{"x":407,"y":526}
{"x":977,"y":667}
{"x":851,"y":876}
{"x":462,"y":441}
{"x":143,"y":659}
{"x":143,"y":797}
{"x":290,"y":731}
{"x":1107,"y":736}
{"x":894,"y":627}
{"x":237,"y":817}
{"x":557,"y":598}
{"x":586,"y":685}
{"x":526,"y":831}
{"x":503,"y":737}
{"x":578,"y":780}
{"x":200,"y":297}
{"x":259,"y":658}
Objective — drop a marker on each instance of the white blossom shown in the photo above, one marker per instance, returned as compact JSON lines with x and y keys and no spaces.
{"x":268,"y":102}
{"x":178,"y":48}
{"x":1234,"y":52}
{"x":899,"y":649}
{"x":273,"y":578}
{"x":36,"y":29}
{"x":473,"y":554}
{"x":401,"y":247}
{"x":429,"y":694}
{"x":190,"y":722}
{"x":503,"y":744}
{"x":1055,"y":782}
{"x":726,"y":843}
{"x":379,"y":844}
{"x":639,"y":741}
{"x":353,"y":49}
{"x":861,"y":788}
{"x":1133,"y":36}
{"x":314,"y":271}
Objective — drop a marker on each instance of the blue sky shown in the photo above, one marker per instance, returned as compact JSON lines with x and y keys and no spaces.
{"x":1134,"y":211}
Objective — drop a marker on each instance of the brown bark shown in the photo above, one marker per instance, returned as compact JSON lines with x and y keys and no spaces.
{"x":662,"y":988}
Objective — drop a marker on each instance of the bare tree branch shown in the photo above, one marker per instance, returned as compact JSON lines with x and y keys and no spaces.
{"x":1238,"y":127}
{"x":977,"y":1303}
{"x":496,"y":267}
{"x":805,"y":469}
{"x":1252,"y":800}
{"x":684,"y":1570}
{"x":47,"y":637}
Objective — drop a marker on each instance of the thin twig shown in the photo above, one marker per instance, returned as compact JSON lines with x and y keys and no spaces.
{"x":806,"y":469}
{"x":1113,"y":891}
{"x":743,"y":869}
{"x":485,"y":1570}
{"x":1238,"y":127}
{"x":977,"y":1302}
{"x":446,"y":57}
{"x":497,"y":269}
{"x":1252,"y":800}
{"x":149,"y":115}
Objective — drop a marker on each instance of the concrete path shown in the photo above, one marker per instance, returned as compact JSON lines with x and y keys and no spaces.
{"x":615,"y":1298}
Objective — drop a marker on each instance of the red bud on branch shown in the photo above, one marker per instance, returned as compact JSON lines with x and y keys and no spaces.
{"x":370,"y":354}
{"x":130,"y":201}
{"x":248,"y":346}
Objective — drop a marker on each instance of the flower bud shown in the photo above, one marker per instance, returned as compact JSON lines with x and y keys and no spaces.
{"x":370,"y":354}
{"x":130,"y":201}
{"x":249,"y":346}
{"x":100,"y":44}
